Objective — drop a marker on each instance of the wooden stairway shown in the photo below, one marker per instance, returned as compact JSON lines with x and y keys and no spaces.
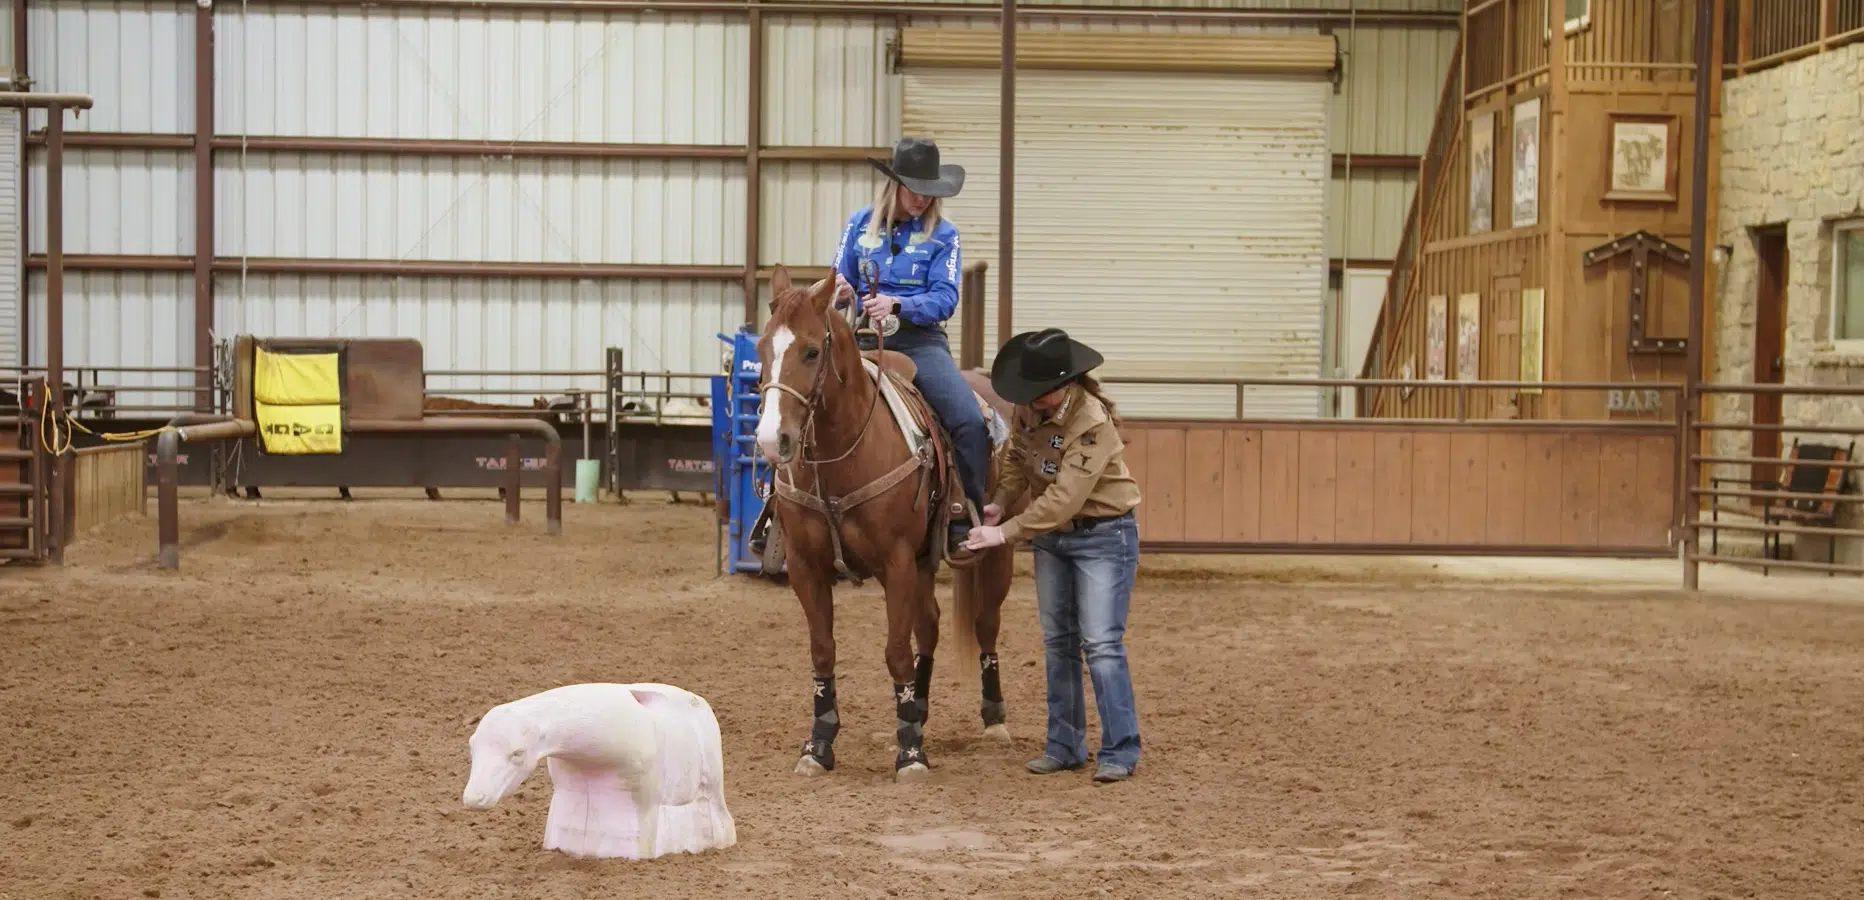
{"x":1402,"y":291}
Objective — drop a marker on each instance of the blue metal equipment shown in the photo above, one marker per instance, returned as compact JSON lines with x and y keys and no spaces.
{"x":744,"y":473}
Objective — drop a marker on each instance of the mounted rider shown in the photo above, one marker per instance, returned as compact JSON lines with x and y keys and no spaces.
{"x":900,"y":260}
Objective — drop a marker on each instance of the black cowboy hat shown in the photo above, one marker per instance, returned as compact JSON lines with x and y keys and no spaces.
{"x":915,"y":165}
{"x":1035,"y":362}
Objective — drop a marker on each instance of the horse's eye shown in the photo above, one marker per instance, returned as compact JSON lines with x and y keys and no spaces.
{"x":811,"y":353}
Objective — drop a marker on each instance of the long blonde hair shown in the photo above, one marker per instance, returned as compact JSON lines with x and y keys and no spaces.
{"x":885,"y":208}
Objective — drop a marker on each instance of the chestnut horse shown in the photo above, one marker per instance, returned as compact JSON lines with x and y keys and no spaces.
{"x":851,"y":497}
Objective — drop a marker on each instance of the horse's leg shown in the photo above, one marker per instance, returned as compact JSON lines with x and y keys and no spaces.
{"x":989,"y":584}
{"x":816,"y":589}
{"x":902,"y":584}
{"x":925,"y":639}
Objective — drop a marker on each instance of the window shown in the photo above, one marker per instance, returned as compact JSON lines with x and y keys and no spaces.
{"x":1578,"y":14}
{"x":1848,"y":281}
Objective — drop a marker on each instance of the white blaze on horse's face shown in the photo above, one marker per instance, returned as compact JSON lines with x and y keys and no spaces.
{"x":506,"y":748}
{"x":770,"y":419}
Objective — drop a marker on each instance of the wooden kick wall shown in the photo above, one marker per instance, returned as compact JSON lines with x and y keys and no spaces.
{"x":1408,"y":487}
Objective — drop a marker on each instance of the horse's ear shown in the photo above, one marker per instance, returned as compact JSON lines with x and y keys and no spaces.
{"x":822,"y":293}
{"x":779,"y":284}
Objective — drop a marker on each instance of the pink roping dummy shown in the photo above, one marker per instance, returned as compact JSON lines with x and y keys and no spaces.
{"x":636,"y":770}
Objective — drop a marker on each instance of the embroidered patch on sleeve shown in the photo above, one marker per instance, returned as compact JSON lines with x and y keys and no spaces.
{"x":1048,"y":467}
{"x":1055,"y":441}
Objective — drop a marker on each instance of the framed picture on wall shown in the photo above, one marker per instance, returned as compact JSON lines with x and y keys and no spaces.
{"x":1525,"y":132}
{"x":1436,"y":338}
{"x":1641,"y":156}
{"x":1468,"y":337}
{"x":1533,"y":316}
{"x":1482,"y":171}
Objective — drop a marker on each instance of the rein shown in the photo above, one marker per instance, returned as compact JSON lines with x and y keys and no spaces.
{"x":835,"y":508}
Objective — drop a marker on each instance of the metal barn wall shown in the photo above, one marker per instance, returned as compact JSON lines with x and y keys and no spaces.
{"x":615,"y":77}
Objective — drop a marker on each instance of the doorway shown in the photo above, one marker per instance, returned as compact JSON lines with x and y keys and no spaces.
{"x":1772,"y":265}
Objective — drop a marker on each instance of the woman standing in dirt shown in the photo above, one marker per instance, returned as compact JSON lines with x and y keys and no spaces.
{"x":1066,"y":449}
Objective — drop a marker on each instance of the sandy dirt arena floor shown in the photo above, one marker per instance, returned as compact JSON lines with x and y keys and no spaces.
{"x":286,"y":717}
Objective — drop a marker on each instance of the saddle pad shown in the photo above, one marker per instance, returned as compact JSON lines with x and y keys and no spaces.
{"x":915,"y":439}
{"x":994,"y":425}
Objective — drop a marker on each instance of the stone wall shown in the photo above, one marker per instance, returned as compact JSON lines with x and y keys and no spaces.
{"x":1792,"y":152}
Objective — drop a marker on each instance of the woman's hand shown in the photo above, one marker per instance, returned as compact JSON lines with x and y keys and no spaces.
{"x":993,"y":514}
{"x":984,"y":537}
{"x":843,"y":290}
{"x":879,"y":306}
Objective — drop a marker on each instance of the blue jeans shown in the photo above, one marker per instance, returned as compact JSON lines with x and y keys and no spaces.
{"x":1084,"y":583}
{"x":952,"y":400}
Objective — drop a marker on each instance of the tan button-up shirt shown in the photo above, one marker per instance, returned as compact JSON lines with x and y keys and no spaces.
{"x":1072,"y":462}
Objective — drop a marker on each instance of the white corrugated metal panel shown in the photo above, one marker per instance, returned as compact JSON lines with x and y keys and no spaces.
{"x":557,"y":325}
{"x":1391,"y":81}
{"x":1173,"y":221}
{"x":141,"y":319}
{"x":805,"y":206}
{"x":1168,"y":26}
{"x":1365,"y":219}
{"x":475,"y":208}
{"x":135,"y":58}
{"x":119,"y":201}
{"x":651,"y":77}
{"x":12,"y":144}
{"x":826,"y":83}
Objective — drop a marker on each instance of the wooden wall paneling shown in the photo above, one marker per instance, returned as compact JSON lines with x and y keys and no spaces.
{"x":1165,"y":485}
{"x":1618,"y":489}
{"x":1356,"y":487}
{"x":1242,"y":484}
{"x":1579,"y":495}
{"x":1430,"y":487}
{"x":1204,"y":483}
{"x":1281,"y":479}
{"x":1544,"y":495}
{"x":1506,"y":521}
{"x":1469,"y":476}
{"x":1656,"y":477}
{"x":1394,"y":454}
{"x":1318,"y":485}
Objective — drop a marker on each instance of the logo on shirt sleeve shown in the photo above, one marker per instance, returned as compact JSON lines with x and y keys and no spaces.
{"x":1048,"y":467}
{"x":1055,"y":441}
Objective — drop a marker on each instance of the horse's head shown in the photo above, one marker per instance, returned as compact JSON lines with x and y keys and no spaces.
{"x":506,"y":748}
{"x":799,"y":350}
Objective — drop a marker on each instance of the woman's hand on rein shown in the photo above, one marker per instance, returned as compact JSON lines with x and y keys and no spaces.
{"x":984,"y":537}
{"x":879,"y":306}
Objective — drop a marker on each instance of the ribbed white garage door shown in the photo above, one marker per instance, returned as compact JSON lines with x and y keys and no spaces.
{"x":11,"y":287}
{"x":1173,"y":220}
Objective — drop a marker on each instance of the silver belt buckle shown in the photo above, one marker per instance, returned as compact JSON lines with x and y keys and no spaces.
{"x":889,"y":324}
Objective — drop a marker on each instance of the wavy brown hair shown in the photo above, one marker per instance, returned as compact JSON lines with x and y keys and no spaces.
{"x":1092,"y":386}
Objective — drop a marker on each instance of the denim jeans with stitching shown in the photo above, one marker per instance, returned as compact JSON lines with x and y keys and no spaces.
{"x":1084,"y":582}
{"x":952,"y":400}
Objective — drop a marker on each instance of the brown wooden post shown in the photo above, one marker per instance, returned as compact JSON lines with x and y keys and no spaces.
{"x":1744,"y":34}
{"x":203,"y":205}
{"x":971,"y":316}
{"x":514,"y":478}
{"x":753,"y":177}
{"x":56,"y":510}
{"x":553,"y":492}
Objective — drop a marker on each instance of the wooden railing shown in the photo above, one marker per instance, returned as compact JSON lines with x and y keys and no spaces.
{"x":1398,"y":288}
{"x":1760,"y":34}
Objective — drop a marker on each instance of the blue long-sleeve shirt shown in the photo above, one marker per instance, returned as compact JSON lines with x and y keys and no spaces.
{"x":920,"y":269}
